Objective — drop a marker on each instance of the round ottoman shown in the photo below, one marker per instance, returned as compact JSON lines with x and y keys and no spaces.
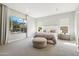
{"x":39,"y":42}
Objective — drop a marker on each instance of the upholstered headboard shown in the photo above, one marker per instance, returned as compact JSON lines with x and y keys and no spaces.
{"x":50,"y":29}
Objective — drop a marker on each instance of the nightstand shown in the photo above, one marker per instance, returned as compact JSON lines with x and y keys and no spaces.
{"x":64,"y":36}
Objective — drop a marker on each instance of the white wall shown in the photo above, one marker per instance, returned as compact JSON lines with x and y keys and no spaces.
{"x":77,"y":26}
{"x":30,"y":26}
{"x":11,"y":12}
{"x":57,"y":20}
{"x":30,"y":22}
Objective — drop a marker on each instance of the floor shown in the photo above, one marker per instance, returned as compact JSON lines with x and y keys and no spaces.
{"x":24,"y":48}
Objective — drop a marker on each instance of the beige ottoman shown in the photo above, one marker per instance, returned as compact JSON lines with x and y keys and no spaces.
{"x":39,"y":42}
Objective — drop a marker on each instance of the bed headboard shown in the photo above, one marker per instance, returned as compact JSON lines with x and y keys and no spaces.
{"x":50,"y":29}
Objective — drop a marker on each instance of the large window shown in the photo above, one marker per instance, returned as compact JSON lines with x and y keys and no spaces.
{"x":17,"y":24}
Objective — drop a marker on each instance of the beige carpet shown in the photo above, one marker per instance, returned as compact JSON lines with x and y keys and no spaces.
{"x":24,"y":48}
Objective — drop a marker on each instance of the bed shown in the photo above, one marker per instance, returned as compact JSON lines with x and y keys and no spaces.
{"x":51,"y":37}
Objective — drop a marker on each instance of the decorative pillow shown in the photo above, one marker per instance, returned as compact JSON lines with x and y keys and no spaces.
{"x":50,"y":42}
{"x":44,"y":30}
{"x":53,"y":31}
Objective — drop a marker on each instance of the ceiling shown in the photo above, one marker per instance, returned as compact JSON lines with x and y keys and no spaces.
{"x":43,"y":9}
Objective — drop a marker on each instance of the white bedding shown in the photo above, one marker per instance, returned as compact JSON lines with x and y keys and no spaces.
{"x":54,"y":34}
